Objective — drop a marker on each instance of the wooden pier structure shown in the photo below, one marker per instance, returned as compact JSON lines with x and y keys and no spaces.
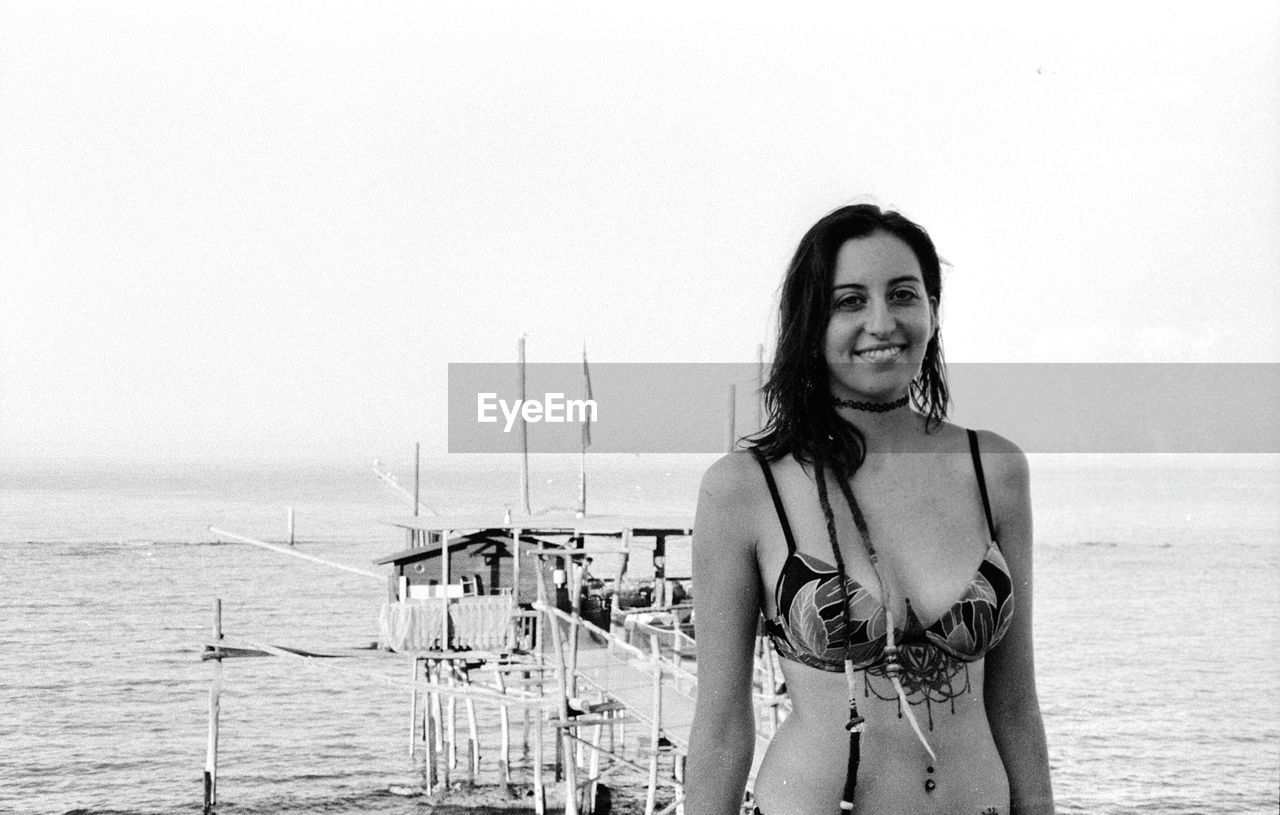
{"x":490,"y":620}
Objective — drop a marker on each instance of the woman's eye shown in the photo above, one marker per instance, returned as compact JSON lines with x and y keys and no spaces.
{"x":849,"y":302}
{"x":905,"y":294}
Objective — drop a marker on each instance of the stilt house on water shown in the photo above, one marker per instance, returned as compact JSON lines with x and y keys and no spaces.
{"x":507,"y":616}
{"x":464,"y":583}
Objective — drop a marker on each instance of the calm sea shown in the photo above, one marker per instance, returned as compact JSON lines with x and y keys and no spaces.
{"x":1157,"y":628}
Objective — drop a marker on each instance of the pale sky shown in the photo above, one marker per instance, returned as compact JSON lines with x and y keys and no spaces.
{"x":245,"y":229}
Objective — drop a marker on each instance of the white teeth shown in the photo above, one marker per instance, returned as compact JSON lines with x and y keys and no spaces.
{"x":880,"y":354}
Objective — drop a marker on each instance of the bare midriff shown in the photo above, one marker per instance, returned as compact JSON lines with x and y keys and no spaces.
{"x":804,"y":770}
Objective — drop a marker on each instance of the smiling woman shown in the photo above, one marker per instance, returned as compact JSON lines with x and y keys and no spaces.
{"x":896,"y":600}
{"x":883,"y":319}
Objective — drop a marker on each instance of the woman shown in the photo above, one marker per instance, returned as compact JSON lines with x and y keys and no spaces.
{"x":887,"y":550}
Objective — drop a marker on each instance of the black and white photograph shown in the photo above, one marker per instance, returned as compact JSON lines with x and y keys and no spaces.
{"x":573,"y":408}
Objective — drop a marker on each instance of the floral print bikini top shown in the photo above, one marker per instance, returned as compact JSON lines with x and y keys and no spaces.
{"x":809,"y":627}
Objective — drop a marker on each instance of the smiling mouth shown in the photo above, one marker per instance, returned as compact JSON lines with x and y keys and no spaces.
{"x":880,"y":354}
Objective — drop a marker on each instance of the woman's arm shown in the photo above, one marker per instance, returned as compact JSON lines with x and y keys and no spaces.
{"x":726,"y":599}
{"x":1012,"y":705}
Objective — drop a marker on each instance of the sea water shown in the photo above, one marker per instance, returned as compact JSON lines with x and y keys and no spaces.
{"x":1157,"y":628}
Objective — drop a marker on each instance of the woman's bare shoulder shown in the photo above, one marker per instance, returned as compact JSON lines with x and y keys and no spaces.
{"x":1009,"y":484}
{"x":730,"y":495}
{"x":734,"y":477}
{"x":1005,"y":463}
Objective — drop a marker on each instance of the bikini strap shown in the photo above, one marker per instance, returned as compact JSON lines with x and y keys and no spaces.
{"x":777,"y":499}
{"x":982,"y":482}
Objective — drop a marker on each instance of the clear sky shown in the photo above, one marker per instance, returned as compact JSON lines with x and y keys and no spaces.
{"x":246,"y":229}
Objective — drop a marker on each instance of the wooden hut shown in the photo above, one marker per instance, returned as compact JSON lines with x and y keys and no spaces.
{"x":444,"y":583}
{"x":482,"y":562}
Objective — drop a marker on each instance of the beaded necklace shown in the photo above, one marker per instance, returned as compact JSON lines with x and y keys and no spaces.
{"x":893,"y":667}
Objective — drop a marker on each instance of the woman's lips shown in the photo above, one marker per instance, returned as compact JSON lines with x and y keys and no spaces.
{"x":881,"y":353}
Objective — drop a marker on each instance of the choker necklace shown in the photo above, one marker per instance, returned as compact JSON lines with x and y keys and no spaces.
{"x":873,"y":407}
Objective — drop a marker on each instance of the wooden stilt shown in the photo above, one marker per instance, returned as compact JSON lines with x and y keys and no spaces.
{"x":557,"y":648}
{"x":437,"y":714}
{"x":622,"y":569}
{"x":524,"y":717}
{"x":578,"y":572}
{"x":413,"y":707}
{"x":504,"y":730}
{"x":515,"y":565}
{"x":660,"y":594}
{"x":619,"y":732}
{"x":593,"y":766}
{"x":473,"y":734}
{"x":539,"y":790}
{"x":451,"y":718}
{"x":433,"y":764}
{"x":577,"y":569}
{"x":655,"y":731}
{"x":215,"y":705}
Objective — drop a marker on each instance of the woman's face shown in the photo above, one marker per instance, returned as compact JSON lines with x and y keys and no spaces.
{"x":881,"y":319}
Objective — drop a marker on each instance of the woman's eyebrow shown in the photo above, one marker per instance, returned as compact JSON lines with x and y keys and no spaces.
{"x":895,"y":281}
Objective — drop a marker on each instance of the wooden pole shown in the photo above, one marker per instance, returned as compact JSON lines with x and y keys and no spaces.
{"x":582,"y":482}
{"x":215,"y":704}
{"x":577,"y":569}
{"x":473,"y":733}
{"x":451,"y":722}
{"x":437,"y":712}
{"x":622,"y":570}
{"x":539,"y":790}
{"x":413,"y":707}
{"x":593,"y":765}
{"x":524,"y":719}
{"x":444,"y":587}
{"x":290,"y":525}
{"x":524,"y":435}
{"x":539,"y":759}
{"x":515,"y":565}
{"x":504,"y":729}
{"x":430,"y":714}
{"x":659,"y":570}
{"x":570,"y":773}
{"x":655,"y":731}
{"x":275,"y":547}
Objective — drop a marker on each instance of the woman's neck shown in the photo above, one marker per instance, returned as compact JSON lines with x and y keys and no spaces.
{"x":889,"y":432}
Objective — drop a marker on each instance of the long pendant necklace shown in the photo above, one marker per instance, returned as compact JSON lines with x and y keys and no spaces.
{"x":892,"y":658}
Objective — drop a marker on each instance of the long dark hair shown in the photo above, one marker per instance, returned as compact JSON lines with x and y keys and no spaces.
{"x":802,"y":419}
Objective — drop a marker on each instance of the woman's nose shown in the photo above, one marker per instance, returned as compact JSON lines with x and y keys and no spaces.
{"x":879,"y":318}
